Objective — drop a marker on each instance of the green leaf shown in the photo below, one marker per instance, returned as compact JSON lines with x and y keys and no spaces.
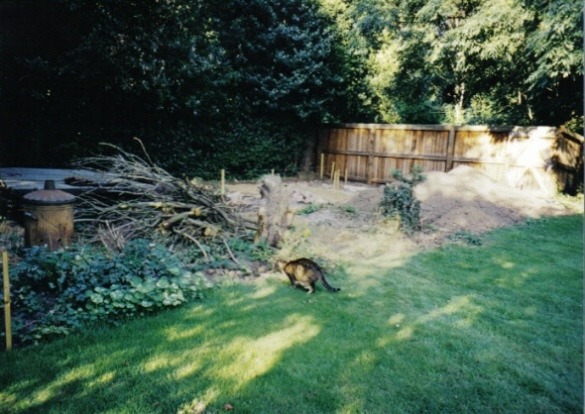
{"x":163,"y":283}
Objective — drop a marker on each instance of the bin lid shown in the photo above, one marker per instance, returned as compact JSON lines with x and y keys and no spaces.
{"x":49,"y":196}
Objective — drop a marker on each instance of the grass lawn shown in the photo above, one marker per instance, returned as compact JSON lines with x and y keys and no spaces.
{"x":495,"y":328}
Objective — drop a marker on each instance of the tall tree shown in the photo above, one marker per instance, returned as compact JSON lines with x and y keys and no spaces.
{"x":468,"y":61}
{"x":193,"y":78}
{"x":555,"y":48}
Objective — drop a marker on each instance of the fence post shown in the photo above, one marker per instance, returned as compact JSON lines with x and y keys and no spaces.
{"x":450,"y":148}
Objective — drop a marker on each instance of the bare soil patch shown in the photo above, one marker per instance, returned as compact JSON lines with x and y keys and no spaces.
{"x":346,"y":223}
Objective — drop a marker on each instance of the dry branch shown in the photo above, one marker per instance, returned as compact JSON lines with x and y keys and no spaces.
{"x":145,"y":198}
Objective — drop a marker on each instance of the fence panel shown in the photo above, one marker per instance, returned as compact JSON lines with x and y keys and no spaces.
{"x":538,"y":158}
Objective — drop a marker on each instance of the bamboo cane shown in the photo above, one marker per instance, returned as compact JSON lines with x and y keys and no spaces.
{"x":322,"y":167}
{"x":345,"y":177}
{"x":222,"y":182}
{"x":7,"y":320}
{"x":332,"y":170}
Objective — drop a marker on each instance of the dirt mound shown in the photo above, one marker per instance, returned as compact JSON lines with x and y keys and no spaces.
{"x":467,"y":200}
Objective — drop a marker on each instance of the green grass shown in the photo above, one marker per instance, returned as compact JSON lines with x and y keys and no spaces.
{"x":495,"y":328}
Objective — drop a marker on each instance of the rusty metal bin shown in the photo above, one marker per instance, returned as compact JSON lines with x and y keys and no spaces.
{"x":48,"y":217}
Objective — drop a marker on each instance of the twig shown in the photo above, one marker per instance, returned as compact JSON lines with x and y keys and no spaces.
{"x":234,"y":258}
{"x":194,"y":240}
{"x":144,"y":150}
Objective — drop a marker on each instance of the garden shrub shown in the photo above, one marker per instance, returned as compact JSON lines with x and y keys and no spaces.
{"x":55,"y":293}
{"x":399,"y":199}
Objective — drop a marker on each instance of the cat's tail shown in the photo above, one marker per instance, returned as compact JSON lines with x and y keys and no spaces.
{"x":328,"y":286}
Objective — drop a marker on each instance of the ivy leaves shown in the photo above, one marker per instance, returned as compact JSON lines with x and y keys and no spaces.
{"x":55,"y":293}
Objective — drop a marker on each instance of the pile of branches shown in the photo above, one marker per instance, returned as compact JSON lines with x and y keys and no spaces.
{"x":139,"y":199}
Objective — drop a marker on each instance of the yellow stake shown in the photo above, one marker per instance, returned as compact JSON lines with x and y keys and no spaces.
{"x":222,"y":182}
{"x":322,"y":166}
{"x":7,"y":301}
{"x":332,"y":170}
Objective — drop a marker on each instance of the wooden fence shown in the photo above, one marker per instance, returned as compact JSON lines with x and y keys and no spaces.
{"x":539,"y":158}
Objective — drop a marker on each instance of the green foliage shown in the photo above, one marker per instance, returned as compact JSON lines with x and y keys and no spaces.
{"x":204,"y":86}
{"x":466,"y":237}
{"x":495,"y":329}
{"x":246,"y":150}
{"x":207,"y":87}
{"x":313,"y":208}
{"x":555,"y":46}
{"x":347,"y":209}
{"x":476,"y":62}
{"x":399,"y":199}
{"x":310,"y":209}
{"x":54,"y":293}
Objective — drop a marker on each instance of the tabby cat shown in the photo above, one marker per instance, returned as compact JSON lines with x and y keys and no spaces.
{"x":305,"y":272}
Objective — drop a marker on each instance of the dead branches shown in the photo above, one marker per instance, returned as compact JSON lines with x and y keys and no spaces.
{"x":144,"y":199}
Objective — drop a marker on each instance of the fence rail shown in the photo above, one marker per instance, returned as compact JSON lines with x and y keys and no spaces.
{"x":539,"y":158}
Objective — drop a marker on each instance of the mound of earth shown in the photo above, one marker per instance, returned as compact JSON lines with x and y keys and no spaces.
{"x":464,"y":199}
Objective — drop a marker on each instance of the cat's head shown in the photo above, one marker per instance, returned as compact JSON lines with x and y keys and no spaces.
{"x":280,"y":264}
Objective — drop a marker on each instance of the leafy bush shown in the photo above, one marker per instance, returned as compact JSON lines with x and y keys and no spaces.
{"x":399,"y":199}
{"x":55,"y":293}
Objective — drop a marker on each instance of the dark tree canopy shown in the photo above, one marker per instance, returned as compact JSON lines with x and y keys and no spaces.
{"x":240,"y":84}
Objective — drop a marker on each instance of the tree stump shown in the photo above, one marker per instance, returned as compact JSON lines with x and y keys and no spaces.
{"x":274,"y":215}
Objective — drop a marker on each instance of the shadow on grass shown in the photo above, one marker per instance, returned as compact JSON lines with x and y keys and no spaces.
{"x":457,"y":329}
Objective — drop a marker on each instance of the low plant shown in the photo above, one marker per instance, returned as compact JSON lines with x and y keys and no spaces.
{"x":347,"y":209}
{"x":466,"y":237}
{"x":11,"y":235}
{"x":310,"y":209}
{"x":55,"y":293}
{"x":313,"y":208}
{"x":399,"y":199}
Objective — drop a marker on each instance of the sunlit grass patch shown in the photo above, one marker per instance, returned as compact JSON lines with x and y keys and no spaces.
{"x":494,"y":328}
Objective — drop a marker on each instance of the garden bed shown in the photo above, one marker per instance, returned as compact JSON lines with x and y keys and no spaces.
{"x":461,"y":203}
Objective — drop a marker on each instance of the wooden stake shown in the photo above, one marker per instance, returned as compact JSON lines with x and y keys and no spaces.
{"x":222,"y":182}
{"x":272,"y":171}
{"x":332,"y":170}
{"x":7,"y":301}
{"x":322,"y":167}
{"x":336,"y":181}
{"x":345,"y":177}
